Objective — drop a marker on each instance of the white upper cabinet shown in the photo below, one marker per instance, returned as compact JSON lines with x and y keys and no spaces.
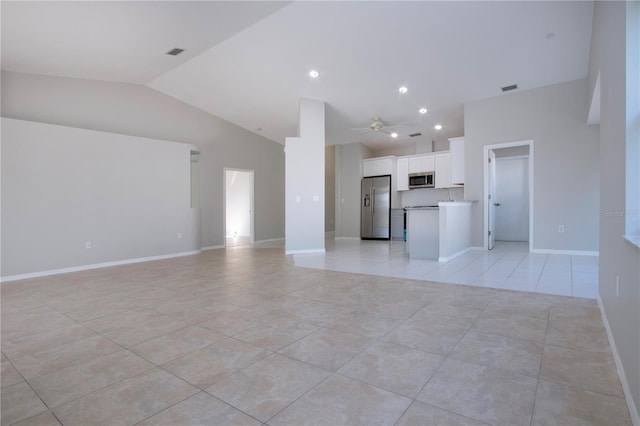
{"x":402,"y":174}
{"x":378,"y":166}
{"x":384,"y":166}
{"x":421,"y":163}
{"x":456,"y":148}
{"x":443,"y":170}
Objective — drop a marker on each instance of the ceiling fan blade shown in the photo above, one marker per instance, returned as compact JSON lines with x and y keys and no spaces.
{"x":361,"y":131}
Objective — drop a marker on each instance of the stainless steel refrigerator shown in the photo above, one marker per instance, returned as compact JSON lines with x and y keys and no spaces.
{"x":375,"y":208}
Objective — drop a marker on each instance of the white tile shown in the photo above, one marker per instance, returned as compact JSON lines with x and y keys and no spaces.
{"x":550,"y":287}
{"x":557,"y":276}
{"x":488,"y":283}
{"x":522,"y":285}
{"x":509,"y":265}
{"x":589,"y":290}
{"x":584,"y":278}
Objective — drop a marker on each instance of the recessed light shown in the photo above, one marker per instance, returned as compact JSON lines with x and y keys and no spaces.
{"x":438,"y":127}
{"x":403,"y":89}
{"x":423,"y":110}
{"x":314,"y":74}
{"x":394,"y":135}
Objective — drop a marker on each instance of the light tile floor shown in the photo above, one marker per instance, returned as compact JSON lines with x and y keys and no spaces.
{"x":509,"y":266}
{"x":244,"y":337}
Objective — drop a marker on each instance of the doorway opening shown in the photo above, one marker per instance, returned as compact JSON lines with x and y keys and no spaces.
{"x":238,"y":207}
{"x":508,"y":193}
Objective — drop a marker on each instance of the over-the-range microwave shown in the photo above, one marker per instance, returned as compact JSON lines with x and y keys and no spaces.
{"x":422,"y":180}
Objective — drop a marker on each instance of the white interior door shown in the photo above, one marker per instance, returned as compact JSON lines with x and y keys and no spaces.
{"x":492,"y":208}
{"x":238,"y":207}
{"x":512,"y":199}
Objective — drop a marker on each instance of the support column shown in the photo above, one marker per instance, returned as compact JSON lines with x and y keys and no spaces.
{"x":304,"y":182}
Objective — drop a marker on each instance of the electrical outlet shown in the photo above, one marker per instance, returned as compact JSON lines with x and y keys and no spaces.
{"x":617,"y":285}
{"x":561,"y":228}
{"x":179,"y":235}
{"x":87,"y":245}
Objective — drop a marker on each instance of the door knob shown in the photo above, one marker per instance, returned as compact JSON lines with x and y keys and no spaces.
{"x":496,"y":204}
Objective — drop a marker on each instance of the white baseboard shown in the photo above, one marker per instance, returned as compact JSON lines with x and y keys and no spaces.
{"x":94,"y":266}
{"x":454,"y":255}
{"x":211,"y":248}
{"x":268,"y":241}
{"x":312,"y":251}
{"x":570,"y":252}
{"x":477,"y":248}
{"x":633,"y":410}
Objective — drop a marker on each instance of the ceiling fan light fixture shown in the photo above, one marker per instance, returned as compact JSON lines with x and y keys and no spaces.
{"x":423,"y":110}
{"x":314,"y":74}
{"x":438,"y":127}
{"x":394,"y":135}
{"x":403,"y":89}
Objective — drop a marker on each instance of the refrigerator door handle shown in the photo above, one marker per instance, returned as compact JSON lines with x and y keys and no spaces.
{"x":373,"y":201}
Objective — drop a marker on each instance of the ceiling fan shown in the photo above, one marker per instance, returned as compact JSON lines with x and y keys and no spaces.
{"x":376,"y":126}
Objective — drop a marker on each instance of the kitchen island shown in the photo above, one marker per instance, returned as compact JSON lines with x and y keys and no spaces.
{"x":440,"y":232}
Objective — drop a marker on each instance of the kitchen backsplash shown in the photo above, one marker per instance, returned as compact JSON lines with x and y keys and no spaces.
{"x":429,"y":196}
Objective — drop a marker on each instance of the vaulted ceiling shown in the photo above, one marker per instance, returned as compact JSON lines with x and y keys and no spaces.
{"x":249,"y":62}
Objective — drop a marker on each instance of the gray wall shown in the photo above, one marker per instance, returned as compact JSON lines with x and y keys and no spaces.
{"x":63,"y":186}
{"x":411,"y":148}
{"x":348,"y":176}
{"x":330,"y":189}
{"x":618,"y":258}
{"x":397,"y":150}
{"x":140,"y":111}
{"x":566,"y":162}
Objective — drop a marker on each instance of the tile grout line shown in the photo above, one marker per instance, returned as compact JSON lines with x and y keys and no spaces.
{"x":544,"y":343}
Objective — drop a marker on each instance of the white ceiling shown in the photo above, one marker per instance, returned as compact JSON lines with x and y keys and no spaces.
{"x":248,"y":62}
{"x":122,"y":41}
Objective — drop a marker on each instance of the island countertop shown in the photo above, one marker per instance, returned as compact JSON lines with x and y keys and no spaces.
{"x":441,"y":204}
{"x":421,"y":207}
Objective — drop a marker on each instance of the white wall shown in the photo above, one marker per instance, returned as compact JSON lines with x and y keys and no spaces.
{"x":63,"y":187}
{"x":618,"y":258}
{"x":305,"y":166}
{"x":136,"y":110}
{"x":238,"y":203}
{"x":566,"y":160}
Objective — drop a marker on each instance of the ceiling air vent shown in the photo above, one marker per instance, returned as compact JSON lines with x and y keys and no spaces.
{"x":175,"y":51}
{"x":413,"y":135}
{"x":512,"y":87}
